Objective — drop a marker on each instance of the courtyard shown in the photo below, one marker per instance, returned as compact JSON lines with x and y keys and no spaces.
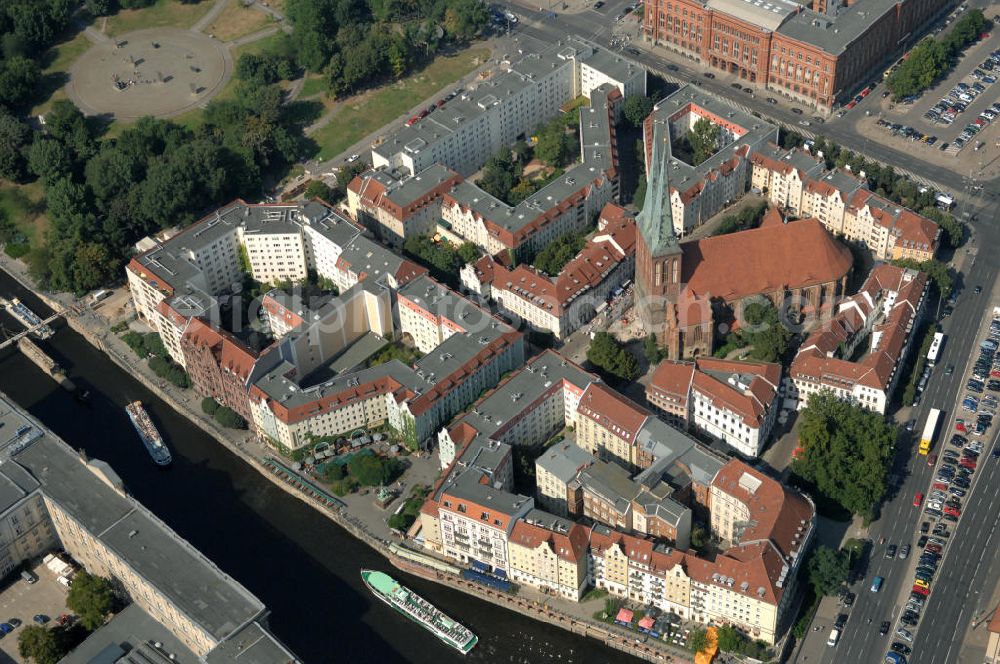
{"x":21,"y":601}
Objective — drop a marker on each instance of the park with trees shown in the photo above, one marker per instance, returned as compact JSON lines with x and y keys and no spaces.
{"x":845,"y":455}
{"x":358,"y":44}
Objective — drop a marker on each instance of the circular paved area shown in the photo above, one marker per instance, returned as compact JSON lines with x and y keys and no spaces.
{"x":160,"y":72}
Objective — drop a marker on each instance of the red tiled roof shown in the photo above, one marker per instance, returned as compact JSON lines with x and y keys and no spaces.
{"x":752,"y":405}
{"x":877,"y":367}
{"x":612,"y":411}
{"x":673,"y":377}
{"x":776,"y":513}
{"x":571,"y":546}
{"x":763,"y":260}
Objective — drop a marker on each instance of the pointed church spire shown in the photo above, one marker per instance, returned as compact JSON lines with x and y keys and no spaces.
{"x":656,"y":220}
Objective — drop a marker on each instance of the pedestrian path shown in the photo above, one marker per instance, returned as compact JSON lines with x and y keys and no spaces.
{"x":209,"y":16}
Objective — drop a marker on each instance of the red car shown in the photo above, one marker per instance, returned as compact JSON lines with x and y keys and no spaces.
{"x":954,"y":511}
{"x":920,"y":590}
{"x":918,"y":499}
{"x":940,"y":486}
{"x":960,"y":426}
{"x":967,"y":462}
{"x":933,"y":548}
{"x":851,"y":104}
{"x":932,"y":460}
{"x":412,"y":121}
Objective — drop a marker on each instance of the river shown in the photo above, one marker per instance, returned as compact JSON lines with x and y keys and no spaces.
{"x":301,"y":565}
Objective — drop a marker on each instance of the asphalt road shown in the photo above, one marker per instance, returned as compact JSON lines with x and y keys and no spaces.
{"x":598,"y":26}
{"x":965,"y":570}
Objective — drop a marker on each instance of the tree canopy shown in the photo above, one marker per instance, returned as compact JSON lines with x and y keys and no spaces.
{"x":704,"y":140}
{"x":500,"y":173}
{"x":39,"y":644}
{"x":931,"y":58}
{"x":652,"y":350}
{"x":370,"y":470}
{"x":560,"y":251}
{"x":91,"y":597}
{"x":104,"y":195}
{"x":846,"y":453}
{"x":611,"y":358}
{"x":748,"y":217}
{"x":557,"y":143}
{"x":939,"y":273}
{"x":698,"y":639}
{"x":229,"y":418}
{"x":441,"y":258}
{"x":636,"y":109}
{"x":763,"y":329}
{"x":360,"y":43}
{"x":828,"y":569}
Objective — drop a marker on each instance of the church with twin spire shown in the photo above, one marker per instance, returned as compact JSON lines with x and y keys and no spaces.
{"x":691,"y":293}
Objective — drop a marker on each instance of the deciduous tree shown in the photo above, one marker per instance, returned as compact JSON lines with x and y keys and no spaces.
{"x":846,"y":452}
{"x":39,"y":644}
{"x":91,"y":597}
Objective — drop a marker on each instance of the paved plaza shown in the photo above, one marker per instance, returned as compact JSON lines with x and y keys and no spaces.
{"x":160,"y":72}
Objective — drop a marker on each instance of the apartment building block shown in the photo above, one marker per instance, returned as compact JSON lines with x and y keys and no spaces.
{"x":561,"y":303}
{"x":555,"y":471}
{"x":477,"y":519}
{"x":608,"y":425}
{"x":396,"y":208}
{"x":528,"y":90}
{"x":815,"y":53}
{"x":467,"y":351}
{"x":637,"y":547}
{"x":218,"y":364}
{"x":191,"y":273}
{"x":695,"y":193}
{"x":796,"y":181}
{"x":735,"y":402}
{"x":549,"y":553}
{"x":526,"y":408}
{"x":885,"y":312}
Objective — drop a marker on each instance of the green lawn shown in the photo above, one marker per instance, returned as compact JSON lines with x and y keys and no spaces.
{"x":55,"y":71}
{"x":164,"y":13}
{"x":359,"y":116}
{"x":314,"y":85}
{"x":236,"y":21}
{"x":24,"y":204}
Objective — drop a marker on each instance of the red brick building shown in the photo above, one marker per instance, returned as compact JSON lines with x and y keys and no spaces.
{"x":817,"y":52}
{"x":218,"y":364}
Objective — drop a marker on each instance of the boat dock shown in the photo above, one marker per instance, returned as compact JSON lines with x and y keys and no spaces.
{"x":32,"y":322}
{"x":45,"y":363}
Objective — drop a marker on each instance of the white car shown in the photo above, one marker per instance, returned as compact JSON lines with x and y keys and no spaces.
{"x":904,"y":633}
{"x":933,"y":505}
{"x":353,"y":158}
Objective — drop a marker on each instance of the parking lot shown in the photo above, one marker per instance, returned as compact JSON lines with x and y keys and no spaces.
{"x":20,"y":600}
{"x":930,"y":125}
